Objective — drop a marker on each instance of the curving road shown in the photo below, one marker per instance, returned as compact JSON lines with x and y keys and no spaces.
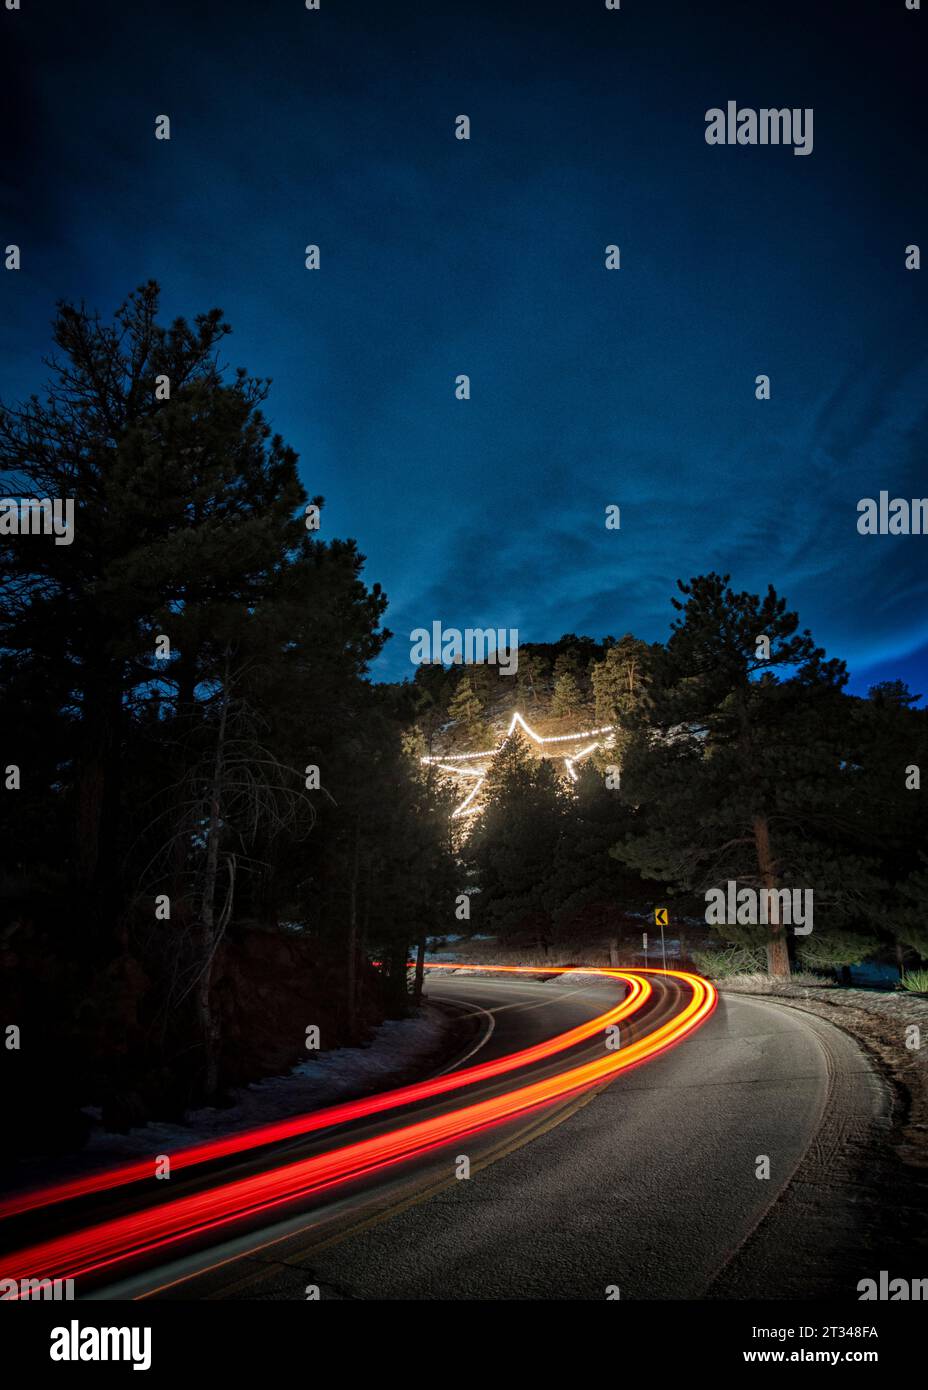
{"x":549,"y":1163}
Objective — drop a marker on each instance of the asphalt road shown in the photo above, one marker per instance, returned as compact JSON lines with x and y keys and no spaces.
{"x":649,"y":1185}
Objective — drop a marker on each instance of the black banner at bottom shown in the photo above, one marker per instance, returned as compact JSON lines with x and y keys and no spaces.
{"x":273,"y":1340}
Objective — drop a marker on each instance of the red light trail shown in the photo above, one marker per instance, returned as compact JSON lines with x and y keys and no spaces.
{"x":152,"y":1228}
{"x":138,"y":1170}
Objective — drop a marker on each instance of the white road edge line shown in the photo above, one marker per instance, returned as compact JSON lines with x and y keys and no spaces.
{"x":481,"y":1041}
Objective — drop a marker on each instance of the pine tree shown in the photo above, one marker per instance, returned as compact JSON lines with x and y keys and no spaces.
{"x":181,"y":504}
{"x":166,"y":680}
{"x":893,"y":693}
{"x":736,"y":769}
{"x":532,"y":675}
{"x":567,"y":698}
{"x":597,"y":896}
{"x":466,"y":710}
{"x":620,"y":680}
{"x":513,"y":844}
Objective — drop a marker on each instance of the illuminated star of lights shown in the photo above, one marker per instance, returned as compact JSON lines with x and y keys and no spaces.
{"x":446,"y":761}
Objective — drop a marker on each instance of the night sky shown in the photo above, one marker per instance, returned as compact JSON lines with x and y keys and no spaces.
{"x":440,"y":257}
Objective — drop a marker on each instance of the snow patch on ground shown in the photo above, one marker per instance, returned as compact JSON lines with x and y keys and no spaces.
{"x":396,"y":1046}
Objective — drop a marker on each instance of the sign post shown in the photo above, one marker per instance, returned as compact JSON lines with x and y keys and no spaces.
{"x":660,"y":919}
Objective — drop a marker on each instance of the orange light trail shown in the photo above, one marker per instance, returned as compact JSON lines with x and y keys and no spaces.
{"x":111,"y":1242}
{"x":139,"y":1170}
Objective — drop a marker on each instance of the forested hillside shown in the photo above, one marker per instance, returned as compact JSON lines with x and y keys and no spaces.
{"x":735,"y":756}
{"x":220,"y":834}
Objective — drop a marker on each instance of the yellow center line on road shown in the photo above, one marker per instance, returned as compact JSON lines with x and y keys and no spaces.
{"x":508,"y":1146}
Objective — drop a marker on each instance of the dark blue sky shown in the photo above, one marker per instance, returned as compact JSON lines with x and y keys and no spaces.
{"x":440,"y":256}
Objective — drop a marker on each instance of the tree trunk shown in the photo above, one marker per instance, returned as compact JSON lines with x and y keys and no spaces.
{"x":207,"y":1020}
{"x":395,"y":976}
{"x":98,"y":822}
{"x":185,"y":674}
{"x":89,"y":802}
{"x":351,"y":973}
{"x":420,"y":970}
{"x":777,"y":950}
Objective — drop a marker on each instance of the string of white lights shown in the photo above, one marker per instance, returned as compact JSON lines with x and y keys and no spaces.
{"x":466,"y":807}
{"x":462,"y":757}
{"x":462,"y":810}
{"x":539,"y":738}
{"x":576,"y":758}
